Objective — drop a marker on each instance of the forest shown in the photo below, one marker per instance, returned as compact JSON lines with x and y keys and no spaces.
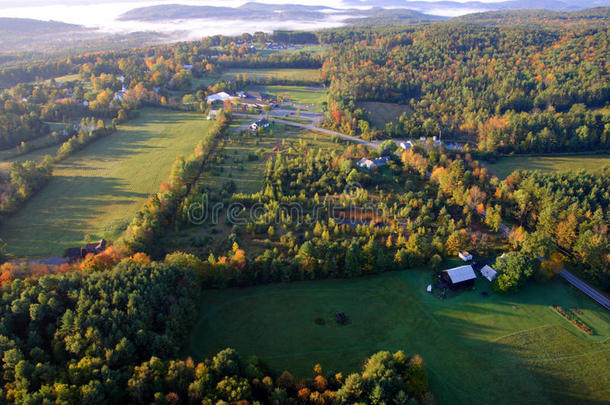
{"x":111,"y":328}
{"x":505,"y":89}
{"x":114,"y":336}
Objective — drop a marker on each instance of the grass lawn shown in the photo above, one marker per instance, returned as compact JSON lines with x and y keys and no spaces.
{"x":478,"y":350}
{"x":382,"y":113}
{"x":257,"y":74}
{"x":313,"y":49}
{"x":98,"y":190}
{"x":312,"y":97}
{"x":507,"y":165}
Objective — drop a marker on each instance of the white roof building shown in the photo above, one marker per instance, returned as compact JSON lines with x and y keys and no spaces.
{"x":259,"y":124}
{"x":366,"y":163}
{"x":406,"y":145}
{"x":489,"y":273}
{"x":465,"y":256}
{"x":222,"y":96}
{"x":370,"y":164}
{"x":461,"y":274}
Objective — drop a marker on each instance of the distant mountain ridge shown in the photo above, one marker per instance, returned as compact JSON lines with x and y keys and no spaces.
{"x":250,"y":10}
{"x":27,"y":26}
{"x":556,"y":5}
{"x":380,"y":10}
{"x":589,"y":17}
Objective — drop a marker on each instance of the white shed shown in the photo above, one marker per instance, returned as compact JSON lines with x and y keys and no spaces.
{"x":489,"y":272}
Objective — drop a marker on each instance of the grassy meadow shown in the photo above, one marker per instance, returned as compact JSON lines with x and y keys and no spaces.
{"x":477,"y":350}
{"x":382,"y":113}
{"x":506,"y":165}
{"x":97,"y":191}
{"x":311,"y":97}
{"x":258,"y":74}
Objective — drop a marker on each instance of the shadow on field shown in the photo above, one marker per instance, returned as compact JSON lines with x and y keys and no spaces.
{"x":53,"y":220}
{"x":478,"y":350}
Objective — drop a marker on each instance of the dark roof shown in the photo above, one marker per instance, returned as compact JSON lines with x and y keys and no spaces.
{"x":74,"y":253}
{"x":96,"y":247}
{"x":254,"y":94}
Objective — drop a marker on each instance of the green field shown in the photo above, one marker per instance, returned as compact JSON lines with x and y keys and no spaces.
{"x":382,"y":113}
{"x":309,"y":97}
{"x":478,"y":350}
{"x":99,"y":189}
{"x":507,"y":165}
{"x":258,"y":74}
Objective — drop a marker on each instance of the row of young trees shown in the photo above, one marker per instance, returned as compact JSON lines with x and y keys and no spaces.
{"x":161,"y":210}
{"x":310,"y":227}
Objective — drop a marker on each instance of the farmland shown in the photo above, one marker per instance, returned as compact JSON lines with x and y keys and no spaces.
{"x":97,"y":191}
{"x":507,"y":165}
{"x":477,"y":349}
{"x":232,"y":164}
{"x":312,"y":75}
{"x":310,"y":97}
{"x":382,"y":113}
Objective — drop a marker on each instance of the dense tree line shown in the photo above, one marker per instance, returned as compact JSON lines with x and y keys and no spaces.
{"x":75,"y":338}
{"x":114,"y":337}
{"x":509,"y":89}
{"x":23,"y":181}
{"x":565,"y":213}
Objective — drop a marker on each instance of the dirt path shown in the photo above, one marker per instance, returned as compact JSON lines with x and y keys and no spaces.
{"x":314,"y":128}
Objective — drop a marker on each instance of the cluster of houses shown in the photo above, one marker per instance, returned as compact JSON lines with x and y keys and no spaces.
{"x":464,"y":276}
{"x":254,"y":99}
{"x":370,"y":164}
{"x":78,"y":253}
{"x":458,"y":146}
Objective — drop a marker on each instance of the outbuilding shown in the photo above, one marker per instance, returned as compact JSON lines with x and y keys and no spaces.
{"x":489,"y":272}
{"x":465,"y":256}
{"x":459,"y":277}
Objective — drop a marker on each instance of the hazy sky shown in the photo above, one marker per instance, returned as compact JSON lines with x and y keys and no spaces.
{"x":102,"y":14}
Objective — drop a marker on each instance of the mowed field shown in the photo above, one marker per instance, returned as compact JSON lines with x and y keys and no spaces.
{"x":382,"y":113}
{"x":310,"y":98}
{"x":506,"y":165}
{"x":97,"y":191}
{"x":478,"y":350}
{"x":258,"y":74}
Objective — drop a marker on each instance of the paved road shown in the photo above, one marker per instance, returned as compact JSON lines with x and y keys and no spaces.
{"x":566,"y":275}
{"x":312,"y":127}
{"x":585,"y":288}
